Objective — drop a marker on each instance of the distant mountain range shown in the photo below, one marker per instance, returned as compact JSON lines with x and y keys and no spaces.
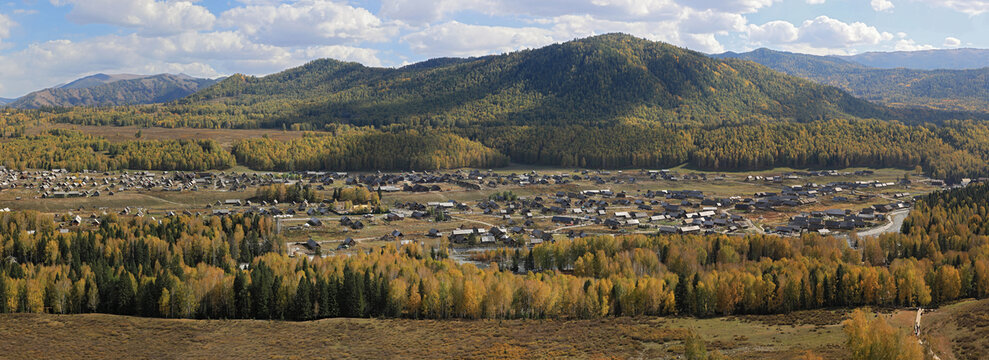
{"x":966,"y":90}
{"x":112,"y":90}
{"x":948,"y":59}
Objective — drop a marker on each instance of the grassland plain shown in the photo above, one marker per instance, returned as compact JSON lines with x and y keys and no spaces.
{"x":31,"y":336}
{"x":956,"y":331}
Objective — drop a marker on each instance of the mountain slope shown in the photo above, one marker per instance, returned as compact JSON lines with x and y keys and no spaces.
{"x":956,"y":59}
{"x":110,"y":90}
{"x":5,"y":101}
{"x":966,"y":90}
{"x":597,"y":81}
{"x":610,"y":101}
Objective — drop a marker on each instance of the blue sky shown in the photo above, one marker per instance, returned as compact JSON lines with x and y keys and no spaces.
{"x":48,"y":42}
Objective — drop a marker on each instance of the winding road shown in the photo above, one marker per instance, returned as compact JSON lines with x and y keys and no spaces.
{"x":892,"y":226}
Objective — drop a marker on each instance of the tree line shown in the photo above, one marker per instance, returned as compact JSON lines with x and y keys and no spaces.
{"x":75,"y":151}
{"x":367,"y":149}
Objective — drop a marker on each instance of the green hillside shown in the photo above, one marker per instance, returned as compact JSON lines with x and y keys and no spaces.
{"x":595,"y":81}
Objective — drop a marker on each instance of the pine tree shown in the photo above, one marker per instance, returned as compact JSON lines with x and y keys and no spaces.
{"x":352,"y":300}
{"x":242,"y":297}
{"x":302,"y":304}
{"x":3,"y":292}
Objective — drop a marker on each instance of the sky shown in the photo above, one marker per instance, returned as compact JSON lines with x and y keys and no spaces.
{"x":44,"y":43}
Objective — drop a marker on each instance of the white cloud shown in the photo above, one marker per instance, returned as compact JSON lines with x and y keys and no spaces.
{"x":419,"y":11}
{"x":910,"y":45}
{"x":816,"y":2}
{"x":458,"y":39}
{"x":951,"y":42}
{"x":742,"y":6}
{"x":428,"y":11}
{"x":881,"y":5}
{"x":830,"y":33}
{"x":821,"y":35}
{"x":5,"y":25}
{"x":773,"y":32}
{"x":710,"y":22}
{"x":307,"y":22}
{"x":970,"y":7}
{"x":148,"y":16}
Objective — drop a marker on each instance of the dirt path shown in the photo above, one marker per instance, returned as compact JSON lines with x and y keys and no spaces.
{"x":920,"y":312}
{"x":568,"y":227}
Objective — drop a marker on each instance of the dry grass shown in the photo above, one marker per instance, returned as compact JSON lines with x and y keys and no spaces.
{"x":28,"y":336}
{"x":960,"y":330}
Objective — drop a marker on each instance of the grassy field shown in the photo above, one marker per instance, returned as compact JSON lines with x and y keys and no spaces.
{"x":28,"y":336}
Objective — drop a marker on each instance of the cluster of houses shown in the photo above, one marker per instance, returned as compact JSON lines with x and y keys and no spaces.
{"x":59,"y":183}
{"x":515,"y":235}
{"x":827,"y":221}
{"x":683,"y":211}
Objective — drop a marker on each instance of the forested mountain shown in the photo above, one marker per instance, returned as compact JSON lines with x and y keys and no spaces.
{"x":109,"y":90}
{"x":5,"y":101}
{"x":957,"y":59}
{"x":610,"y":101}
{"x":965,"y":90}
{"x":597,"y":81}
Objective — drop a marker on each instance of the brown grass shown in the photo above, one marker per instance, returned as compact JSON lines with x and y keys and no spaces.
{"x":960,"y":330}
{"x":30,"y":336}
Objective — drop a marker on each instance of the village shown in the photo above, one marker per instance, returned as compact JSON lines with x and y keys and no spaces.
{"x":474,"y":208}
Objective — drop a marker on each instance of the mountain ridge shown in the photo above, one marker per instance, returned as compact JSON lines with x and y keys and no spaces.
{"x":955,"y":90}
{"x":935,"y":59}
{"x":113,"y":90}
